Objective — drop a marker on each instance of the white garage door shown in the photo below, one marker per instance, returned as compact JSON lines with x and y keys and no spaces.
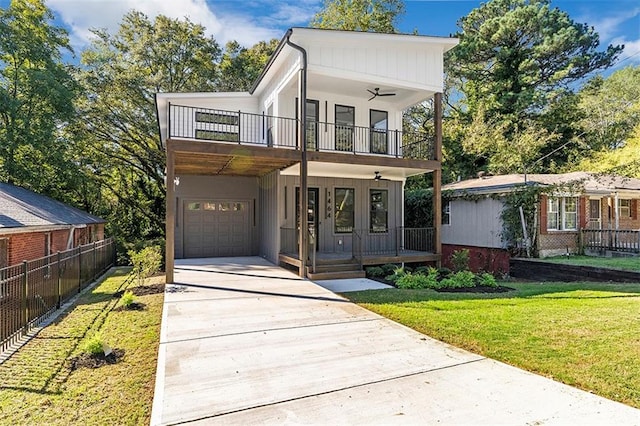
{"x":216,"y":228}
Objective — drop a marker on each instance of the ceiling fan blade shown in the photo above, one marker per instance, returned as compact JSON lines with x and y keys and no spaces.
{"x":386,"y":94}
{"x":372,"y":97}
{"x":372,"y":92}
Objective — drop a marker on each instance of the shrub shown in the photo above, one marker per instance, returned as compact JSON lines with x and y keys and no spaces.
{"x":398,"y":272}
{"x":487,"y":280}
{"x":127,"y":299}
{"x":94,"y":345}
{"x":375,"y":272}
{"x":389,"y":268}
{"x":444,"y":272}
{"x":419,"y":280}
{"x":462,"y":279}
{"x":460,"y":260}
{"x":146,"y":262}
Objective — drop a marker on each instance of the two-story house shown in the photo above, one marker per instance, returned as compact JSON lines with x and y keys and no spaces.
{"x":308,"y":167}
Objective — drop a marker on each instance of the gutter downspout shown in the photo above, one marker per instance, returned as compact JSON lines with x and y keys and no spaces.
{"x":304,"y":203}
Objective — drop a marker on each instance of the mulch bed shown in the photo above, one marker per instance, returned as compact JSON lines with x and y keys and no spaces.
{"x":142,"y":290}
{"x":135,"y":306}
{"x":96,"y":361}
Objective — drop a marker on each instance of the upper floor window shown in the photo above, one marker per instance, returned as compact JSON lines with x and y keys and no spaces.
{"x":217,"y":118}
{"x":379,"y":210}
{"x":345,"y":120}
{"x":378,"y":134}
{"x":562,"y":213}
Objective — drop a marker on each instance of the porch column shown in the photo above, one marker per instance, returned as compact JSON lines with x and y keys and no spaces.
{"x":437,"y":176}
{"x":170,"y":216}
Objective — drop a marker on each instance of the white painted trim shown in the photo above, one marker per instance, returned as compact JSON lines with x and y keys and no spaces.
{"x":39,"y":228}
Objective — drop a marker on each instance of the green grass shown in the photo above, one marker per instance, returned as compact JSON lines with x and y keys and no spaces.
{"x":37,"y":385}
{"x":584,"y":334}
{"x":624,"y":263}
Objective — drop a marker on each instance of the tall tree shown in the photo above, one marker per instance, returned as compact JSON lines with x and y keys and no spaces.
{"x":516,"y":59}
{"x":36,"y":99}
{"x":240,"y":66}
{"x":611,"y":108}
{"x":379,"y":16}
{"x":118,"y":130}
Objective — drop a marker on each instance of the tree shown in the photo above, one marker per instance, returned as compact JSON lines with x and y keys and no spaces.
{"x":513,"y":73}
{"x":240,"y":66}
{"x":36,"y":100}
{"x":623,"y":160}
{"x":379,"y":16}
{"x":516,"y":55}
{"x":118,"y":132}
{"x":611,"y":108}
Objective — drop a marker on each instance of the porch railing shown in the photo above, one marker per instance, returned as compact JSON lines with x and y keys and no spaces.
{"x":625,"y":240}
{"x":395,"y":241}
{"x":271,"y":131}
{"x":33,"y":290}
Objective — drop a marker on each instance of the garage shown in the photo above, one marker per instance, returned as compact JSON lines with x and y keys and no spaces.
{"x":215,"y":228}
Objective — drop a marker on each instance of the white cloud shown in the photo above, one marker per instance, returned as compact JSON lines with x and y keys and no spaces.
{"x":608,"y":26}
{"x":83,"y":15}
{"x":631,"y":52}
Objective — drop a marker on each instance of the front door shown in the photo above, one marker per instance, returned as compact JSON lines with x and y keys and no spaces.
{"x":312,"y":211}
{"x":595,"y":219}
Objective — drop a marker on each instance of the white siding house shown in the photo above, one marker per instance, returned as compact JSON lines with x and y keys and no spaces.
{"x":321,"y":128}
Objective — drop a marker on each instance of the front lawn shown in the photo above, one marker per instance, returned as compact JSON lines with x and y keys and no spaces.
{"x":39,"y":386}
{"x":624,"y":263}
{"x":584,"y":334}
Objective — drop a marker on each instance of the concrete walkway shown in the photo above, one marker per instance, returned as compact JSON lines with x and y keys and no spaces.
{"x":246,"y":342}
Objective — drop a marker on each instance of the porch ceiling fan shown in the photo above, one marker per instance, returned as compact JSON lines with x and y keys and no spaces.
{"x":378,"y":177}
{"x":376,"y":92}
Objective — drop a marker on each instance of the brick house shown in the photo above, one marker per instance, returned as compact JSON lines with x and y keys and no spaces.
{"x":33,"y":226}
{"x":575,"y":212}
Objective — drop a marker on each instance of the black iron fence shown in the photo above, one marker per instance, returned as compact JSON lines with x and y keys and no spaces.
{"x":625,"y":240}
{"x":33,"y":290}
{"x":266,"y":130}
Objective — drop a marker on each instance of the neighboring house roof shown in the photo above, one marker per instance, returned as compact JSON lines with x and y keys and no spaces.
{"x":591,"y":183}
{"x":21,"y":208}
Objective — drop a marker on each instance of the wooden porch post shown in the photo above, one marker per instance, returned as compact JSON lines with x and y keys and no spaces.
{"x":170,"y":215}
{"x":437,"y":176}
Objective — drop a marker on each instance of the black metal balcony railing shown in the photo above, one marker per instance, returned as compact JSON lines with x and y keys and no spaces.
{"x":260,"y":129}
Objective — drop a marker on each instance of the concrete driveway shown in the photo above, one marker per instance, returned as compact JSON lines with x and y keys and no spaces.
{"x":246,"y":342}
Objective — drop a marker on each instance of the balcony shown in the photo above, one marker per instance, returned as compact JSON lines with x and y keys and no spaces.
{"x":260,"y":130}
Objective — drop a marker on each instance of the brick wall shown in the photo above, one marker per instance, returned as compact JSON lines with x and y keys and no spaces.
{"x":480,"y":258}
{"x":27,"y":246}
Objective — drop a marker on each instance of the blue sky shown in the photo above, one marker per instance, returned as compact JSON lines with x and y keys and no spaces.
{"x":249,"y":21}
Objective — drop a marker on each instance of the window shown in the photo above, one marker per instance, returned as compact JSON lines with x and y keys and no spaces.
{"x":209,"y":206}
{"x":344,"y":218}
{"x":47,"y":244}
{"x":193,"y":206}
{"x":624,"y":208}
{"x":217,"y":118}
{"x":446,"y":213}
{"x":562,"y":213}
{"x":379,"y":126}
{"x":221,"y":126}
{"x":216,"y":135}
{"x":4,"y":252}
{"x":345,"y":120}
{"x":379,"y":204}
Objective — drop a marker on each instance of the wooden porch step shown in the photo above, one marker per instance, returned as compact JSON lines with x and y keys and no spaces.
{"x":336,"y":275}
{"x":335,"y":267}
